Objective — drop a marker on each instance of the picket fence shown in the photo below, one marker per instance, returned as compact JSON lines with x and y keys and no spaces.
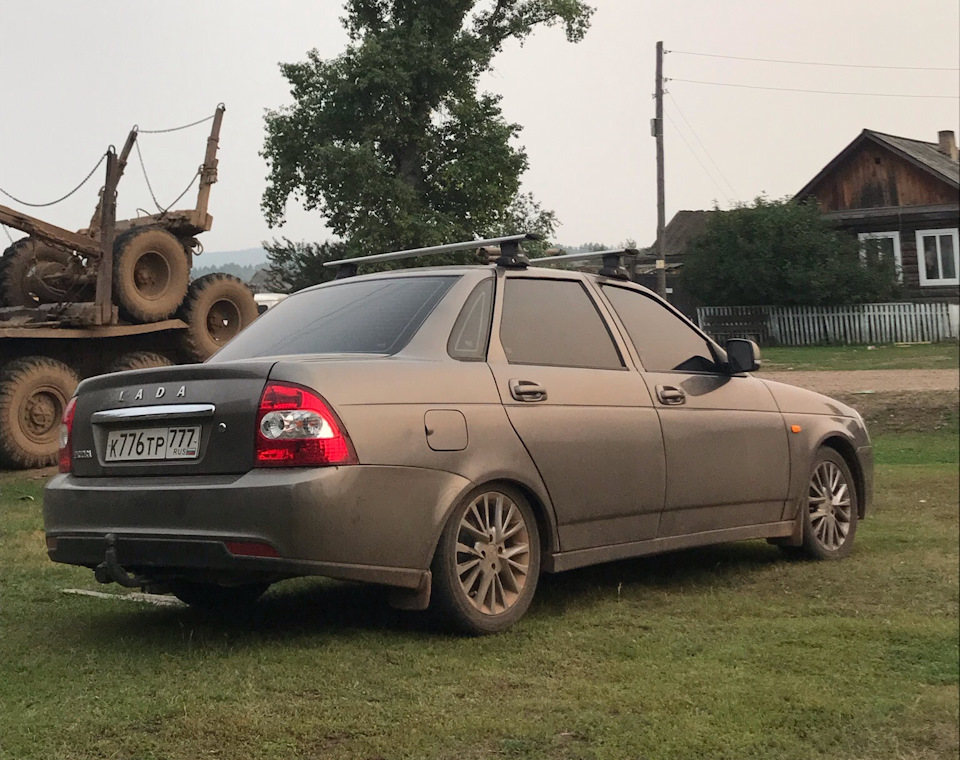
{"x":833,"y":325}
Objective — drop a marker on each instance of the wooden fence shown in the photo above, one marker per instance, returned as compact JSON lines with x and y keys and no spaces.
{"x":832,"y":325}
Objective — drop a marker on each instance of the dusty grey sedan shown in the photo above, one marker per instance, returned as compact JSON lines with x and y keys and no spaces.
{"x":451,"y":433}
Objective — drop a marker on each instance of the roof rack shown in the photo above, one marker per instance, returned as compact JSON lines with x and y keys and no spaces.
{"x":511,"y":256}
{"x":612,"y":261}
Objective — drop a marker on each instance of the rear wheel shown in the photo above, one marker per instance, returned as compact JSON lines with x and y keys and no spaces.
{"x":34,"y":391}
{"x":487,"y":563}
{"x":212,"y":597}
{"x":217,"y":307}
{"x":138,"y":360}
{"x":830,"y":513}
{"x":150,"y":274}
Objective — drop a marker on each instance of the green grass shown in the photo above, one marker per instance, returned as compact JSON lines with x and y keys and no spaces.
{"x":727,"y":652}
{"x":903,"y":356}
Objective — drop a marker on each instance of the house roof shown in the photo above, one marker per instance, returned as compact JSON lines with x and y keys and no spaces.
{"x":684,"y":227}
{"x":925,"y":155}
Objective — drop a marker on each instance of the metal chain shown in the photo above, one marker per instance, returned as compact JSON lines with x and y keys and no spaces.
{"x":9,"y":236}
{"x":58,"y":200}
{"x":173,"y":129}
{"x":156,"y":203}
{"x":149,"y":186}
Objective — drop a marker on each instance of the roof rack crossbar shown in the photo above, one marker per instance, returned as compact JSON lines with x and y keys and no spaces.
{"x":511,"y":241}
{"x":612,"y":260}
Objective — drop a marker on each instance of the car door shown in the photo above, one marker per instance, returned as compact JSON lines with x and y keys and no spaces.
{"x":585,"y":416}
{"x":724,"y":437}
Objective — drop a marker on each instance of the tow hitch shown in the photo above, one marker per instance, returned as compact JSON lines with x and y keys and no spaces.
{"x":110,"y":570}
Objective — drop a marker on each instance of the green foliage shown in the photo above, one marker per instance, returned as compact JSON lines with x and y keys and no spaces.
{"x":782,"y":253}
{"x":392,"y":141}
{"x":298,"y":265}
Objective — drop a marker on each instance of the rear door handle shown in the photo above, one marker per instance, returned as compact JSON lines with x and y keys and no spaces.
{"x":527,"y":390}
{"x":670,"y":395}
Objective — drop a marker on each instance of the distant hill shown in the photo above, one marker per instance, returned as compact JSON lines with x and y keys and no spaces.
{"x":246,"y":257}
{"x":245,"y":273}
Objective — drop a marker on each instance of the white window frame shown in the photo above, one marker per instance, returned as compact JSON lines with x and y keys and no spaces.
{"x":895,"y":236}
{"x":921,"y":262}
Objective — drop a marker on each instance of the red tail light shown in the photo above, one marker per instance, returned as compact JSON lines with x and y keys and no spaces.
{"x":296,"y":428}
{"x":66,"y":437}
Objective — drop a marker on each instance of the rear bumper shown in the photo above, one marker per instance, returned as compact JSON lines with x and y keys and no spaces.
{"x":365,"y":523}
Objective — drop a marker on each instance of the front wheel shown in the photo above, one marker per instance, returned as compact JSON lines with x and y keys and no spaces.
{"x":487,"y":563}
{"x":831,"y":510}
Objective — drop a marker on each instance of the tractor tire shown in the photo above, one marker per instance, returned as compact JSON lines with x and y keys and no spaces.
{"x":34,"y":391}
{"x":151,"y":272}
{"x":138,"y":360}
{"x":34,"y":272}
{"x":216,"y":308}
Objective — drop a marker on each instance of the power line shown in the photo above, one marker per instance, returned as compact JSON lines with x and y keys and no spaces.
{"x":819,"y":92}
{"x":816,"y":63}
{"x":704,"y":147}
{"x":702,"y":165}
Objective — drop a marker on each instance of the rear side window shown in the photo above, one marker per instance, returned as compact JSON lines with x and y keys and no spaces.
{"x":554,"y":323}
{"x":664,"y":341}
{"x":471,"y":332}
{"x":366,"y":316}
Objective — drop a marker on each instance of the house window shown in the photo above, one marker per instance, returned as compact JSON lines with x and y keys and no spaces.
{"x":938,"y":257}
{"x":876,"y":246}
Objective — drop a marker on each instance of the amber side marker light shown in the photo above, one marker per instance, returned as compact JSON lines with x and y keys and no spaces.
{"x":795,"y":428}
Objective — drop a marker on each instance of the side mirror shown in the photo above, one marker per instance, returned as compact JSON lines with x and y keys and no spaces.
{"x":742,"y":355}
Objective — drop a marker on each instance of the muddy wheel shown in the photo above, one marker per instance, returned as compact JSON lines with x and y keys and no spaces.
{"x":216,"y":308}
{"x":138,"y":360}
{"x":150,"y":274}
{"x":212,"y":597}
{"x":34,"y":272}
{"x":487,"y":563}
{"x":830,"y":516}
{"x":34,"y":391}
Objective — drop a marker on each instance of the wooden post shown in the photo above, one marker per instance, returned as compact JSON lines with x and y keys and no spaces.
{"x":108,"y":218}
{"x":661,"y":210}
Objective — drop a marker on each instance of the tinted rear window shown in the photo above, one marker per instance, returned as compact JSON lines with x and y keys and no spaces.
{"x":366,"y":317}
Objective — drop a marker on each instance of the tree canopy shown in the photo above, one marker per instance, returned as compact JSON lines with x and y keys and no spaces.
{"x":393,"y":142}
{"x":782,"y":253}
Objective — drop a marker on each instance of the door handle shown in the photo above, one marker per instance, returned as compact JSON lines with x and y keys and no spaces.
{"x":670,"y":395}
{"x":527,"y":390}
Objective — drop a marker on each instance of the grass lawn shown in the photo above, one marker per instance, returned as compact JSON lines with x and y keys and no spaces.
{"x":729,"y":652}
{"x":902,"y":356}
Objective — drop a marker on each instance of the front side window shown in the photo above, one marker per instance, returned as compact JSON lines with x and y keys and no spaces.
{"x":554,"y":323}
{"x":937,"y":255}
{"x":377,"y":316}
{"x":881,"y":246}
{"x":664,"y":341}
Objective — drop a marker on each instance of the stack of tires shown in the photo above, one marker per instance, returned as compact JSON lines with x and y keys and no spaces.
{"x":151,"y":284}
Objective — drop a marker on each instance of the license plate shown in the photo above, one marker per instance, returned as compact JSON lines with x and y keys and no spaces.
{"x":151,"y":444}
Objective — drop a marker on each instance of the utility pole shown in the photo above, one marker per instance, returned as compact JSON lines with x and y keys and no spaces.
{"x":657,"y":130}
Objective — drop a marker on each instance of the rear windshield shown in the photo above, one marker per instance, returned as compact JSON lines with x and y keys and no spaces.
{"x":363,"y":317}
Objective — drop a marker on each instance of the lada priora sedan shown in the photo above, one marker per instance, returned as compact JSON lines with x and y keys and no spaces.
{"x":452,"y":433}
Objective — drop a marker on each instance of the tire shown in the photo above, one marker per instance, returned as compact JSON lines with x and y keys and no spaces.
{"x":214,"y":598}
{"x":150,"y":274}
{"x":34,"y":391}
{"x":830,"y":509}
{"x":216,"y":308}
{"x":487,"y":563}
{"x":138,"y":360}
{"x":34,"y":272}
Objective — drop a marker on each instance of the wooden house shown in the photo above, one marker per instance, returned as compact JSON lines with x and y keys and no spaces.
{"x":902,"y":198}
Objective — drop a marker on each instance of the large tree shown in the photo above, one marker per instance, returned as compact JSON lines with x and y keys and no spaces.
{"x":393,"y":142}
{"x":783,"y":253}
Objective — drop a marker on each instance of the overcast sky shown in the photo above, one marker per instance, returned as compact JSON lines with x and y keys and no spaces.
{"x":78,"y":75}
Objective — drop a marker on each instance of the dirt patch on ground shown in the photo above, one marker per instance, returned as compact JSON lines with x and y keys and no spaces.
{"x":891,"y":401}
{"x":877,"y":380}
